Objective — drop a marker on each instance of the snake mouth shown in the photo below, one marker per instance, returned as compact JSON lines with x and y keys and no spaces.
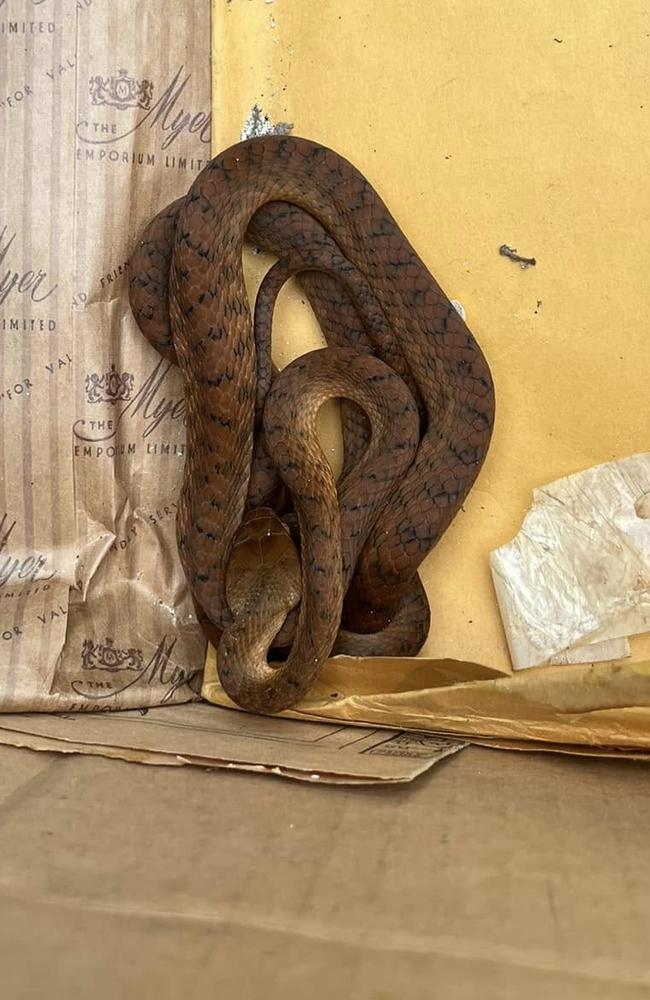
{"x":278,"y":654}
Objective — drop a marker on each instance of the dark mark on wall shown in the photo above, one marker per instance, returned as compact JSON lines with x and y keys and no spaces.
{"x":512,"y":254}
{"x":259,"y":123}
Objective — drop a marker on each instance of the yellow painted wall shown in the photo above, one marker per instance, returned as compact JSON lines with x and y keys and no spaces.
{"x":481,"y":123}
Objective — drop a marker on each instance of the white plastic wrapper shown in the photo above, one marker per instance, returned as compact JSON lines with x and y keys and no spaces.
{"x":574,"y":583}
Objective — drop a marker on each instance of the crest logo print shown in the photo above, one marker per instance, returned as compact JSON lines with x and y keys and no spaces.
{"x":106,"y":656}
{"x":121,"y":91}
{"x":111,"y":387}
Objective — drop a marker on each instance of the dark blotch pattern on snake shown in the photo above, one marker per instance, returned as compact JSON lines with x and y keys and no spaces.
{"x":417,"y":410}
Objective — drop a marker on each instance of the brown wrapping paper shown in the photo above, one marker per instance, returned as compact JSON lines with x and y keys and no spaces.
{"x":599,"y":705}
{"x":109,"y":120}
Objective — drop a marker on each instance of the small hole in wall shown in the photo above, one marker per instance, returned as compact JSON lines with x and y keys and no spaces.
{"x":642,"y":506}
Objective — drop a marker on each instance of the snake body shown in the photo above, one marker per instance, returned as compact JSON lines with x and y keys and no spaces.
{"x":417,"y":416}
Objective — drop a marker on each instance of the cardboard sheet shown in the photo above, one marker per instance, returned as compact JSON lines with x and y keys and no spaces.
{"x":506,"y":877}
{"x":211,"y":737}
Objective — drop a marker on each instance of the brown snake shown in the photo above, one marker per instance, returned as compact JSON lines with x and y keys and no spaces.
{"x":417,"y":416}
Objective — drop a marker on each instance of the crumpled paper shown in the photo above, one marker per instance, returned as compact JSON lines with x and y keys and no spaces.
{"x":574,"y":583}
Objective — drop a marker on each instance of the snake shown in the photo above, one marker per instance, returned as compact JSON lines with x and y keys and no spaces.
{"x":417,"y":408}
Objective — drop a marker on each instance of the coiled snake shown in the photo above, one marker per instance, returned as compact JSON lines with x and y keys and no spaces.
{"x":417,"y":414}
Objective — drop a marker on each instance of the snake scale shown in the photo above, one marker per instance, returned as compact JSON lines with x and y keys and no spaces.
{"x":417,"y":408}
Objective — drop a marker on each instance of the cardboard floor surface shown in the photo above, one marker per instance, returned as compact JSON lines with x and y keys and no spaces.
{"x":500,"y":876}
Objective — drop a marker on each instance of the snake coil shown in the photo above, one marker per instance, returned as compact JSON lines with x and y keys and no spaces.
{"x":417,"y":410}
